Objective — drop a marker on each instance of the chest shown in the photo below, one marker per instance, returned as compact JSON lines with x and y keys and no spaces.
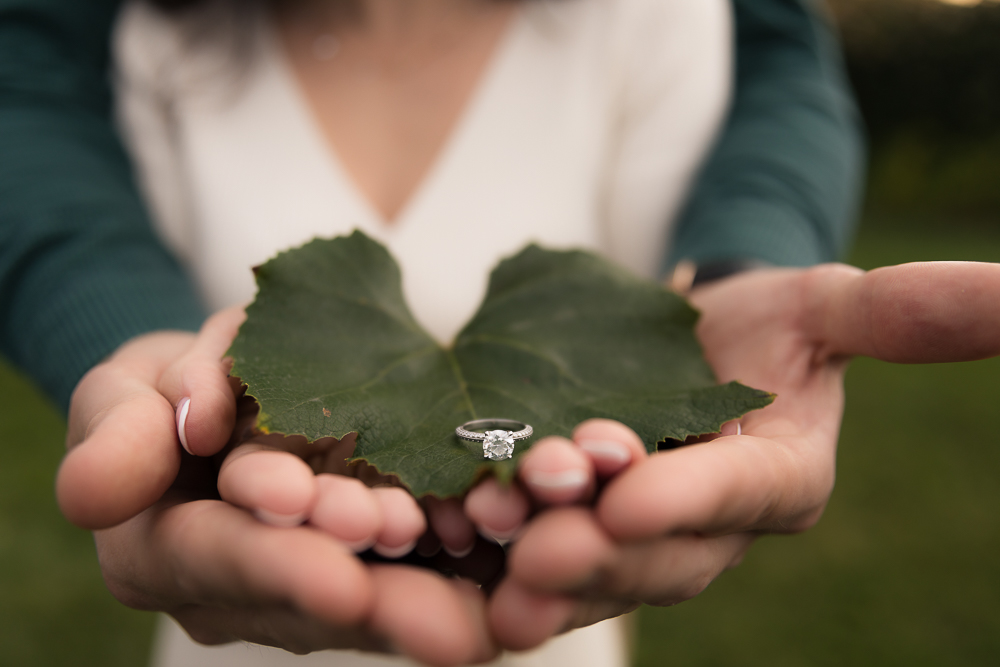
{"x":386,"y":93}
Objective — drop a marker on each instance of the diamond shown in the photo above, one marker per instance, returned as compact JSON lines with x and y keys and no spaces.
{"x":498,"y":445}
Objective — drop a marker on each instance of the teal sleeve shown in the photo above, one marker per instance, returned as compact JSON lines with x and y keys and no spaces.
{"x":784,"y":179}
{"x":81,"y":270}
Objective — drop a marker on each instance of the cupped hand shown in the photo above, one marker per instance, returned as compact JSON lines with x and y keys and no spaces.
{"x":165,"y":542}
{"x":665,"y":526}
{"x":226,"y":576}
{"x":131,"y":415}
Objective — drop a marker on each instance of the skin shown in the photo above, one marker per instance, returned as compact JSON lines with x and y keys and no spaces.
{"x":666,"y":525}
{"x":166,"y":543}
{"x":402,"y":74}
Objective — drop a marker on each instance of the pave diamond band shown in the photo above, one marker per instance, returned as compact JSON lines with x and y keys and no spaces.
{"x":497,"y":435}
{"x":468,"y":430}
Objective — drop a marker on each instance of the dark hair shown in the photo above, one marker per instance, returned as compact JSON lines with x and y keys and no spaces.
{"x":181,"y":5}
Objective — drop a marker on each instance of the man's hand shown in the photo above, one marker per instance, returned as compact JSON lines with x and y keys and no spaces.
{"x":665,"y":526}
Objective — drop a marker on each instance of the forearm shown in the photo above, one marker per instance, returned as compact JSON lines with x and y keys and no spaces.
{"x":80,"y":268}
{"x":783,"y":182}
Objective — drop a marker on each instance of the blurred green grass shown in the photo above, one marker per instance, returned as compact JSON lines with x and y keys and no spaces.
{"x":54,"y":609}
{"x":902,"y":570}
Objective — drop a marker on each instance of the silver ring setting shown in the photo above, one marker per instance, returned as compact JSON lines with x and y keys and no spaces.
{"x":497,"y":435}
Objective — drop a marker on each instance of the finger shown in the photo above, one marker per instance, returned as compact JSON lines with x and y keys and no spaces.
{"x":198,"y":386}
{"x":556,"y":472}
{"x":348,"y":510}
{"x":730,"y":484}
{"x":566,"y":550}
{"x":522,"y":619}
{"x":436,"y":621}
{"x":127,"y":454}
{"x":211,"y":553}
{"x":276,"y":486}
{"x":925,"y":312}
{"x":496,"y":510}
{"x":453,"y":528}
{"x":272,"y":625}
{"x":668,"y":571}
{"x":734,"y":427}
{"x":660,"y":571}
{"x":588,"y":611}
{"x":403,"y":522}
{"x":611,"y":445}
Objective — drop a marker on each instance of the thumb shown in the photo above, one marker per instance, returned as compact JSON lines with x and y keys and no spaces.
{"x":198,"y":387}
{"x":123,"y":451}
{"x":924,"y":312}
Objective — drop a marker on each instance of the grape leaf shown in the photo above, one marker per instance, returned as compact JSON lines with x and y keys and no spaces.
{"x":329,"y":347}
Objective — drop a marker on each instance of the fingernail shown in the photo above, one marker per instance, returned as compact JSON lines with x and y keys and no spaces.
{"x":731,"y":428}
{"x":360,"y":545}
{"x":394,"y":552}
{"x":428,"y":550}
{"x":461,"y":553}
{"x":277,"y":519}
{"x":607,"y":450}
{"x":497,"y":535}
{"x":562,"y":481}
{"x":182,"y":414}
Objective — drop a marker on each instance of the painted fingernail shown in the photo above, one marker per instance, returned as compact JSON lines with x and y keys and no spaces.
{"x":394,"y":552}
{"x":277,"y":519}
{"x":182,"y":414}
{"x":607,"y":450}
{"x":561,"y":481}
{"x":461,"y":553}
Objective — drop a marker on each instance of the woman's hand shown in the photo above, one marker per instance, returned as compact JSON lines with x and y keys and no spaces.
{"x":667,"y":525}
{"x":130,"y":415}
{"x":166,"y":543}
{"x":226,"y":576}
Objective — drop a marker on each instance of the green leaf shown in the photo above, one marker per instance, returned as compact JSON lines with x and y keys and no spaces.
{"x":329,"y":347}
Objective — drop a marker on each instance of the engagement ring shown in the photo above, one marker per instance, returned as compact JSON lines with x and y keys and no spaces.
{"x":497,"y":444}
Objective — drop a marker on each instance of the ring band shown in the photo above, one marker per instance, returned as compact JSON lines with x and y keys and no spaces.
{"x":498,"y":435}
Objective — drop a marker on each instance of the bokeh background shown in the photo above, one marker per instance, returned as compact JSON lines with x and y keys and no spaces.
{"x":903,"y":568}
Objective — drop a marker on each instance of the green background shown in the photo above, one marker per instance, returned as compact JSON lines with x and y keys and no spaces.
{"x":902,"y":569}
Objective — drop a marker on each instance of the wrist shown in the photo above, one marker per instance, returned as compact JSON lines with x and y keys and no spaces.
{"x":687,"y":274}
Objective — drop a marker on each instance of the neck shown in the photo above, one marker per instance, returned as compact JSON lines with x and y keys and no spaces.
{"x":391,"y":19}
{"x":405,"y":15}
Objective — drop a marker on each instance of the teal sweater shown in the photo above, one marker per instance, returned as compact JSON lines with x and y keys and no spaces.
{"x":81,"y":270}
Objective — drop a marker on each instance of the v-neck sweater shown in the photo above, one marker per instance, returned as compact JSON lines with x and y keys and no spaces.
{"x":585,"y":131}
